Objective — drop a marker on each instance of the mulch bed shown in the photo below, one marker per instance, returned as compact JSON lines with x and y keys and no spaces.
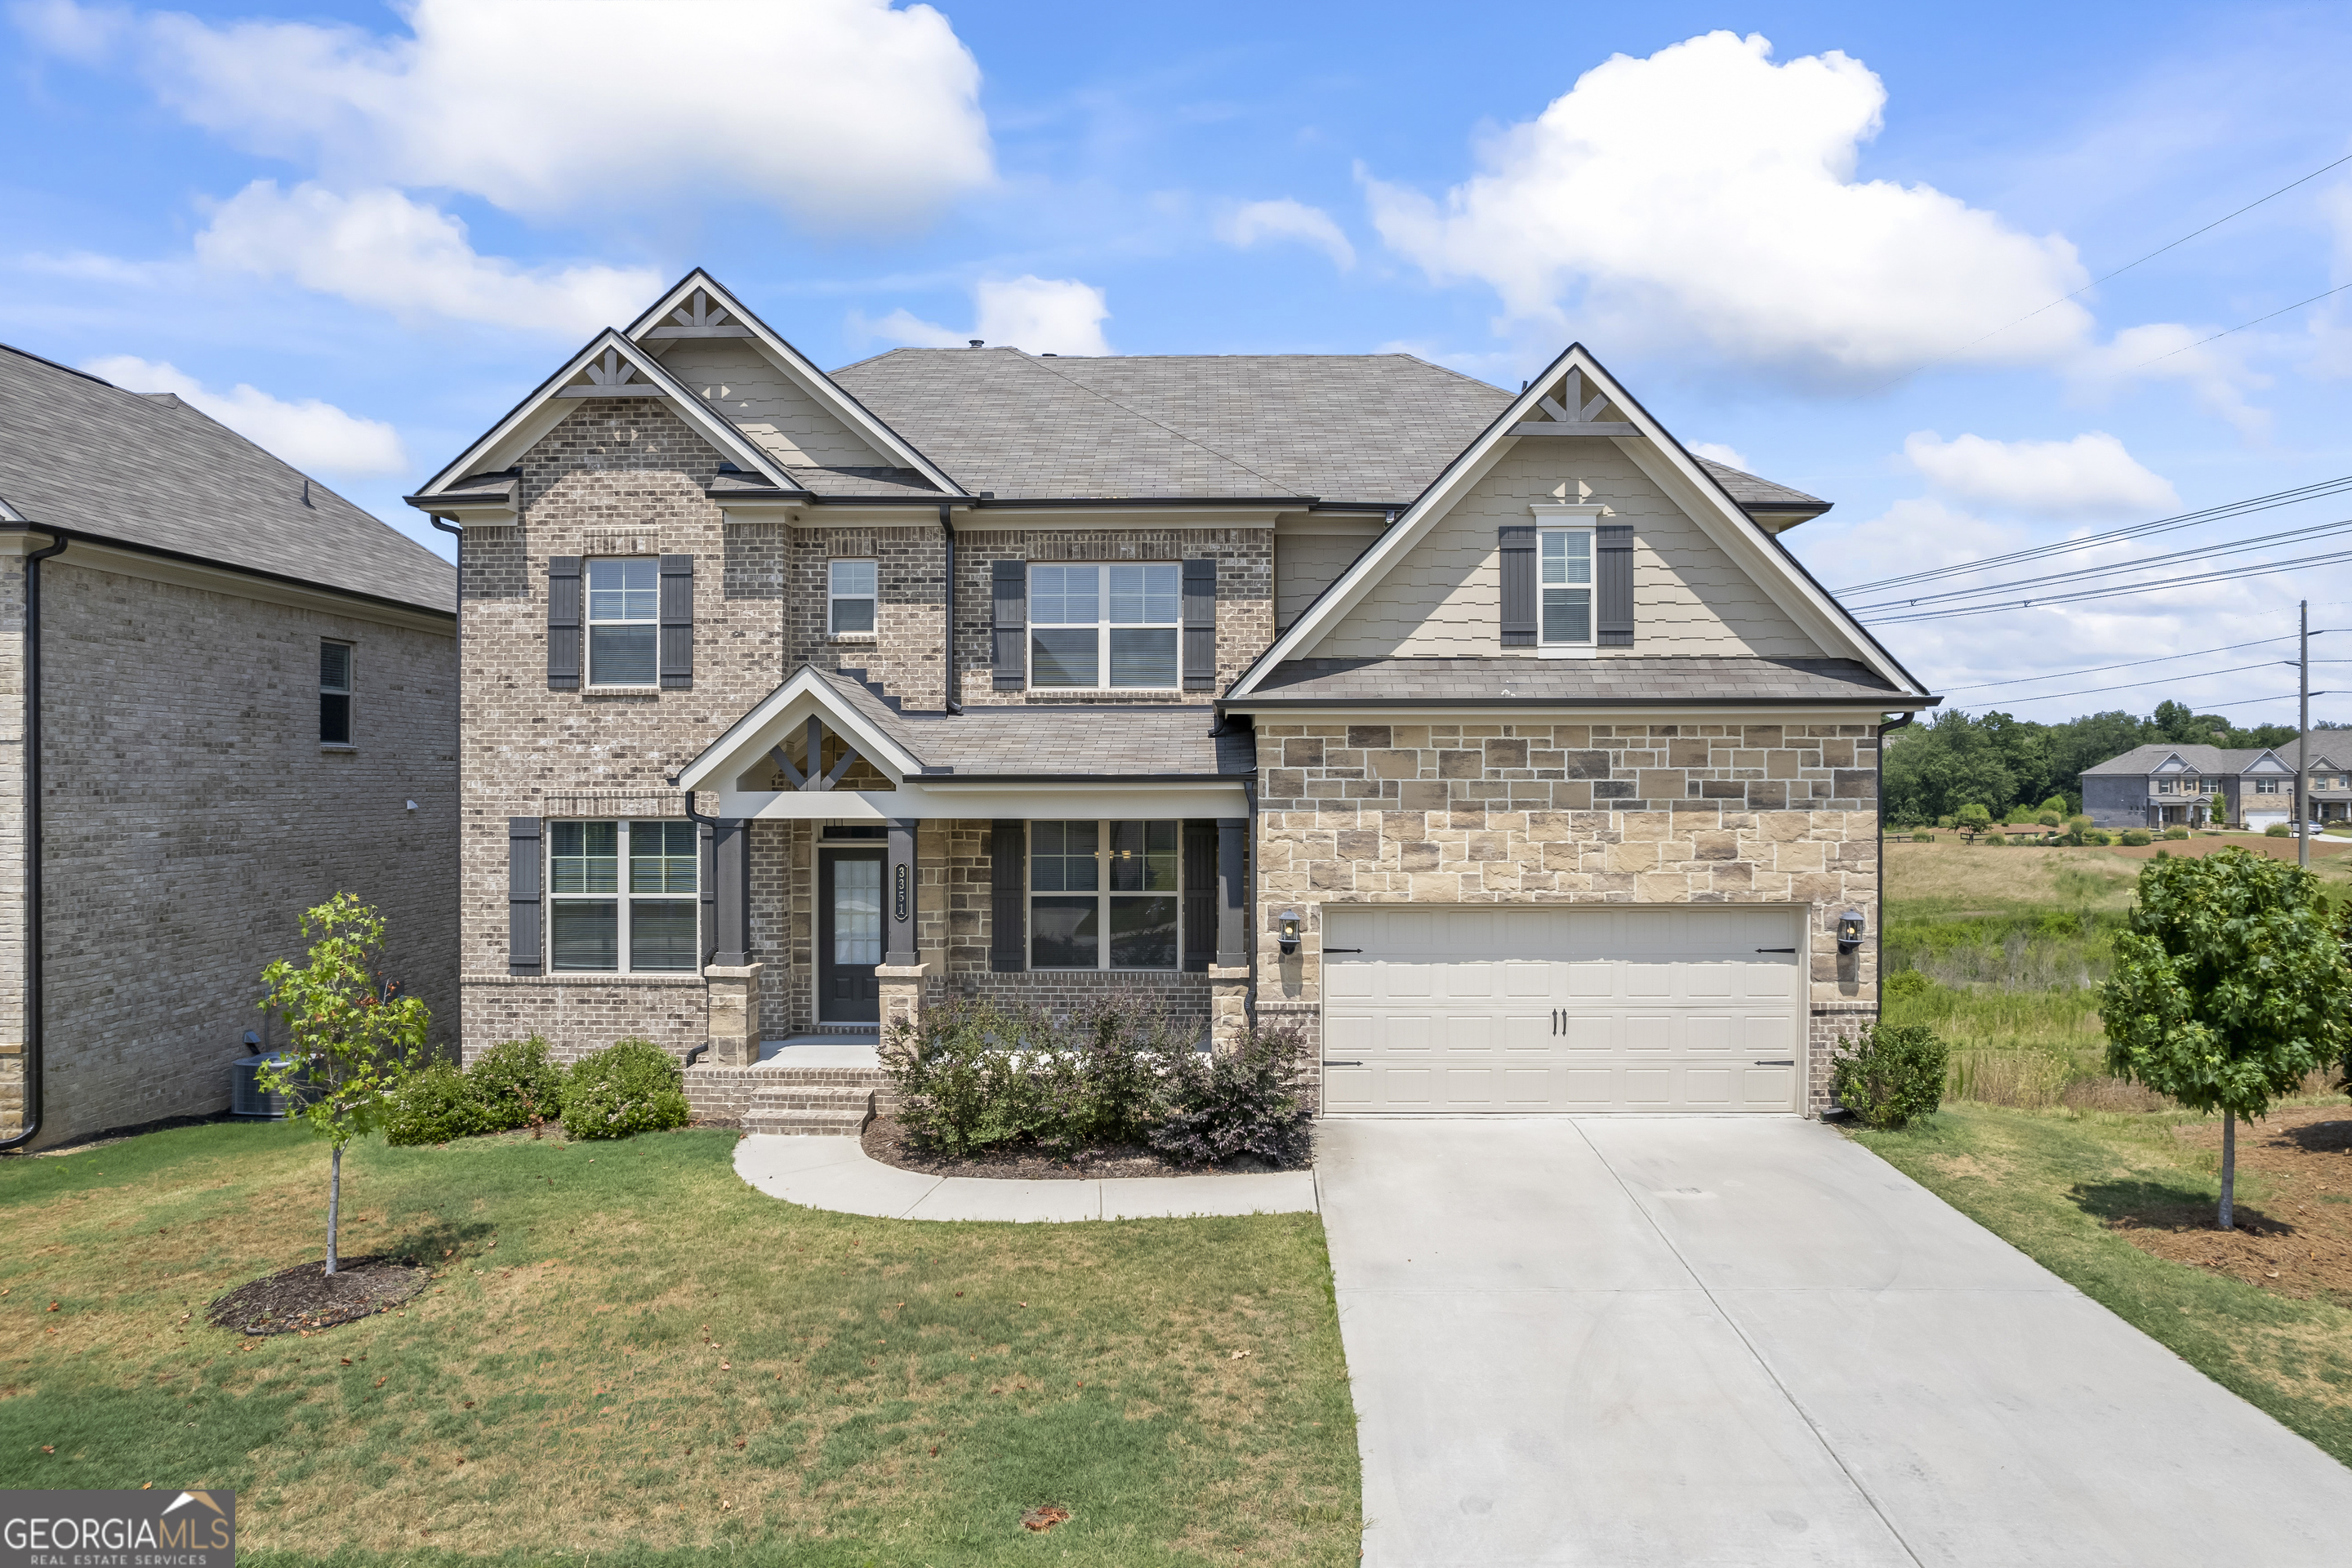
{"x":886,"y":1141}
{"x":306,"y":1296}
{"x":2298,"y":1242}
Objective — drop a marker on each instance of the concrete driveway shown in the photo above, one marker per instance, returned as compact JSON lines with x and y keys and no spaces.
{"x":1716,"y":1341}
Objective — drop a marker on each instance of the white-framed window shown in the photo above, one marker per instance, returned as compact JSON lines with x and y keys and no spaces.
{"x":1564,"y":587}
{"x":2164,"y":787}
{"x":623,"y":620}
{"x":335,"y":693}
{"x":622,"y":898}
{"x":849,"y":598}
{"x":1105,"y":895}
{"x":1105,"y":627}
{"x":2267,"y":786}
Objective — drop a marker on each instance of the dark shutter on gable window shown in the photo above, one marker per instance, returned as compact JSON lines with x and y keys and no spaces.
{"x":1200,"y":894}
{"x":1613,"y":584}
{"x":1518,"y":547}
{"x":1009,"y":585}
{"x":1008,"y":930}
{"x":523,"y":894}
{"x":677,"y":608}
{"x":1200,"y":625}
{"x":562,"y":623}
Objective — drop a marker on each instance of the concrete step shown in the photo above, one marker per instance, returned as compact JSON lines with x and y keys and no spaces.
{"x":813,"y":1097}
{"x":839,"y":1110}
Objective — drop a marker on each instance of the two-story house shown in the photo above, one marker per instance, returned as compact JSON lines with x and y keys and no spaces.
{"x":2163,"y":785}
{"x":1490,"y":738}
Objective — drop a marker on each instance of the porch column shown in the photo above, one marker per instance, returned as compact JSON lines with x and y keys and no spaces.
{"x":898,"y":979}
{"x":730,"y":979}
{"x":1228,"y":973}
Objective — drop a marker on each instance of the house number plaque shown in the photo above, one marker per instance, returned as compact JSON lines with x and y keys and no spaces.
{"x":898,"y":894}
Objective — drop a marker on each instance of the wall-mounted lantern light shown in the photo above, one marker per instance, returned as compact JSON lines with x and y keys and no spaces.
{"x":1288,"y":930}
{"x":1849,"y":931}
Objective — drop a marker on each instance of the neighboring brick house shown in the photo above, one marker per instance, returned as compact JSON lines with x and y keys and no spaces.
{"x":1491,"y":739}
{"x":2160,"y":785}
{"x":244,"y":700}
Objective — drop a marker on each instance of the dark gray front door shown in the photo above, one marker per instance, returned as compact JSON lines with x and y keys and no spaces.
{"x":848,"y":935}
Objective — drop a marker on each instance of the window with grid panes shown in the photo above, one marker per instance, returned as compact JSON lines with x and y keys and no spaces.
{"x":1105,"y":627}
{"x":647,"y":921}
{"x":1105,"y":895}
{"x":624,"y":621}
{"x":334,"y":694}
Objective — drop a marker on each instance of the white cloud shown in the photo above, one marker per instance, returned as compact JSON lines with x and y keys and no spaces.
{"x":849,"y":114}
{"x":1708,"y":188}
{"x":377,"y":247}
{"x":2088,"y":476}
{"x":903,"y":326}
{"x":2167,"y":351}
{"x":1288,"y":219}
{"x":312,"y":436}
{"x":1715,"y":451}
{"x":1042,"y":315}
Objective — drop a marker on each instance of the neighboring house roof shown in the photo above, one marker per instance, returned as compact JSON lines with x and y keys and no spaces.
{"x":146,"y":470}
{"x":1637,"y":680}
{"x":2216,"y":759}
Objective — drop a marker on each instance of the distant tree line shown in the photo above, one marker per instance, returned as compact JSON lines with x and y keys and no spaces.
{"x":1953,"y":759}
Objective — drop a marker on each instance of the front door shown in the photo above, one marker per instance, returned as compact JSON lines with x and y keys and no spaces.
{"x":848,"y":935}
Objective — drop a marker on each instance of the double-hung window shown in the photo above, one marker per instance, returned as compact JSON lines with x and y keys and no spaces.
{"x":1105,"y":627}
{"x":1104,"y":895}
{"x":334,"y":694}
{"x":1564,"y":582}
{"x":622,"y":897}
{"x":2164,"y":787}
{"x":849,"y":598}
{"x":2267,"y":786}
{"x":623,"y":620}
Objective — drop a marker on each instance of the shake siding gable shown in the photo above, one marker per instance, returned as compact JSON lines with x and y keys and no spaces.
{"x":736,"y":379}
{"x":1443,"y":597}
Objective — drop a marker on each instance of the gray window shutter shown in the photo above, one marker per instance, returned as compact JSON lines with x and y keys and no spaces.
{"x":523,"y":894}
{"x":562,"y":623}
{"x":707,"y":879}
{"x":1009,"y":581}
{"x":1008,"y":927}
{"x":1200,"y":893}
{"x":1613,"y":584}
{"x":1200,"y":625}
{"x":676,"y":609}
{"x":1518,"y":546}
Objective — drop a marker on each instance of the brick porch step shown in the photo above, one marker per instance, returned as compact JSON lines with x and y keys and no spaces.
{"x":810,"y":1110}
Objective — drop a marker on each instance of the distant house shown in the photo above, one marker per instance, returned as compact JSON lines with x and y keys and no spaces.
{"x":2165,"y":785}
{"x":226,"y":693}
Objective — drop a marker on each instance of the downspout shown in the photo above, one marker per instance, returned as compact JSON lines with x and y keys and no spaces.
{"x":457,"y":720}
{"x":32,"y":753}
{"x":711,"y":823}
{"x":1879,"y":934}
{"x":948,"y":677}
{"x":1249,"y":905}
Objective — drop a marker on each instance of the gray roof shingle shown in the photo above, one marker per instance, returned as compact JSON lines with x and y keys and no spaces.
{"x":1568,"y":682}
{"x":147,"y":469}
{"x":1096,"y":741}
{"x":2331,"y":751}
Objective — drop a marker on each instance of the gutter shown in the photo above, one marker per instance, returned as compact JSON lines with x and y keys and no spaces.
{"x":32,"y":752}
{"x":948,"y":682}
{"x":1480,"y":704}
{"x":80,"y":536}
{"x":1878,"y":931}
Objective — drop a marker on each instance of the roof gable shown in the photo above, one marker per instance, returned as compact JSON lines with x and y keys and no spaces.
{"x":1576,"y":398}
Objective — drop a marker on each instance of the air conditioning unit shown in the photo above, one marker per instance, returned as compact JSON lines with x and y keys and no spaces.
{"x":245,"y":1095}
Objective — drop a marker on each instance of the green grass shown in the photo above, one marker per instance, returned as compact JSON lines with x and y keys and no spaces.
{"x":892,"y":1392}
{"x":2047,"y":1180}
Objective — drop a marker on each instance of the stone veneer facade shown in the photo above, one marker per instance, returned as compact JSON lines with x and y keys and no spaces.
{"x":1622,"y":812}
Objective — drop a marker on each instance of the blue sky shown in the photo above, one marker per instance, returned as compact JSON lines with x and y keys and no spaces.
{"x":1802,"y":235}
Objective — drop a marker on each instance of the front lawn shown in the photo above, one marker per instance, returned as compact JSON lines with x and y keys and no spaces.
{"x":2268,"y":1315}
{"x":629,"y":1353}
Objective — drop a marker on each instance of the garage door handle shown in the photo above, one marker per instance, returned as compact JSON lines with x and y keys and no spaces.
{"x":1776,"y":949}
{"x":1786,"y":1064}
{"x":1347,"y":949}
{"x":1329,"y":1063}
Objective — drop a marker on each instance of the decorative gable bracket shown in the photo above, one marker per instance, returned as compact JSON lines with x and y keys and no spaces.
{"x":1572,"y":414}
{"x":611,"y":376}
{"x":811,"y":779}
{"x":699,"y":317}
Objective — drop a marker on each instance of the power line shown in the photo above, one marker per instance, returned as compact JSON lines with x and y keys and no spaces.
{"x":2241,"y":327}
{"x":2271,"y":502}
{"x":2206,"y":552}
{"x":2233,"y":702}
{"x":2045,"y":599}
{"x":2153,"y":680}
{"x":2128,"y":664}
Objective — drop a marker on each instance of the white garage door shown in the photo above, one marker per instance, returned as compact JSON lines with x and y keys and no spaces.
{"x":1548,"y":1009}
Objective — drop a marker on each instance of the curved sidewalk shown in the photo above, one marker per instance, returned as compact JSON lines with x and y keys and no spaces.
{"x":837,"y":1173}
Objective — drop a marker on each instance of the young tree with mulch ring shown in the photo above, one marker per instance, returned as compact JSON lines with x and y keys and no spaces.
{"x":2230,"y":986}
{"x":355,"y":1036}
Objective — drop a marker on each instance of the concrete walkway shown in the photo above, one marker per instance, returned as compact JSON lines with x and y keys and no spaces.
{"x":837,"y":1173}
{"x":1750,"y":1342}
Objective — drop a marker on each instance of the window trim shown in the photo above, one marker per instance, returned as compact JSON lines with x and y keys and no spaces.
{"x":590,"y":621}
{"x":621,"y":897}
{"x":1103,"y":892}
{"x":350,"y":694}
{"x":832,"y":595}
{"x":1104,"y":626}
{"x":2267,"y":786}
{"x":1560,"y":516}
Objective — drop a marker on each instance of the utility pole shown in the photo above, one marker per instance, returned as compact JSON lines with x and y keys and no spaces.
{"x":2302,"y":741}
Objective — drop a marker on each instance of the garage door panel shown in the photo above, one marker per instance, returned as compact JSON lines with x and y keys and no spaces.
{"x":1524,"y":1009}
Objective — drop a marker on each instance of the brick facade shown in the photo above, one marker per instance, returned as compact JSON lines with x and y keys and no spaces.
{"x":190,"y":815}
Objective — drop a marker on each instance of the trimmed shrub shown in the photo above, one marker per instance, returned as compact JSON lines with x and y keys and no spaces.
{"x":1227,"y":1105}
{"x":2176,"y":832}
{"x":1921,"y":835}
{"x":2137,"y":837}
{"x":516,"y":1084}
{"x":1893,"y":1074}
{"x":2097,"y":836}
{"x":1908,"y":983}
{"x":434,"y":1105}
{"x":630,"y":1086}
{"x":2277,"y":830}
